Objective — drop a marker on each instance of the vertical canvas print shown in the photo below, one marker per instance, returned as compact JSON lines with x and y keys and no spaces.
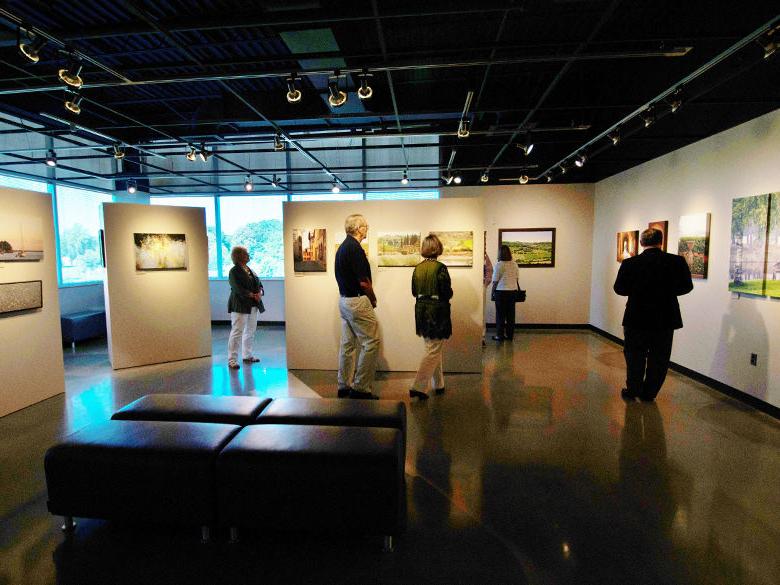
{"x":663,"y":227}
{"x":530,"y":247}
{"x":398,"y":249}
{"x":21,"y":238}
{"x":773,"y":248}
{"x":627,"y":245}
{"x":747,"y":249}
{"x":309,"y":250}
{"x":160,"y":251}
{"x":21,"y":296}
{"x":693,"y":243}
{"x":458,"y":248}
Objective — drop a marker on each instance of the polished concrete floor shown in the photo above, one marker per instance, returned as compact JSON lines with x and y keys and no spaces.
{"x":533,"y":472}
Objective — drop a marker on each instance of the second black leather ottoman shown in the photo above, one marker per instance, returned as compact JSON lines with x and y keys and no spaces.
{"x":234,"y":410}
{"x":314,"y":478}
{"x":332,"y":411}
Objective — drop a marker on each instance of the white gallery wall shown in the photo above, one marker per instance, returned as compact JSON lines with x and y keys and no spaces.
{"x":31,"y":360}
{"x":721,"y":329}
{"x":313,"y":325}
{"x":155,"y":316}
{"x":558,"y":295}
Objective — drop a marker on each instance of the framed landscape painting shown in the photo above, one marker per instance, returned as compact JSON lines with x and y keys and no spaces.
{"x":160,"y":251}
{"x":754,"y":262}
{"x":663,"y":227}
{"x":21,"y":296}
{"x":458,"y":248}
{"x":530,"y":247}
{"x":398,"y":249}
{"x":773,"y":247}
{"x":309,"y":250}
{"x":21,"y":238}
{"x":694,"y":242}
{"x":627,"y":245}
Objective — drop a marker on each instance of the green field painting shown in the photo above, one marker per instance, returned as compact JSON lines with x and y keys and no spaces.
{"x":530,"y":247}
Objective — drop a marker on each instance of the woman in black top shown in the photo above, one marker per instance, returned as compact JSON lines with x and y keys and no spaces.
{"x":432,"y":288}
{"x":245,"y":302}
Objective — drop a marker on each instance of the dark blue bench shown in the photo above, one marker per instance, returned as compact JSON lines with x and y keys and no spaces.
{"x":82,"y":325}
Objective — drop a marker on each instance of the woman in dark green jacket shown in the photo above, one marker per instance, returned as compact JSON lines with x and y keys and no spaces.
{"x":432,"y":288}
{"x":245,"y":302}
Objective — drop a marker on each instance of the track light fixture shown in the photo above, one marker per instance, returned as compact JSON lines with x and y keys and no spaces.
{"x":294,"y":94}
{"x":275,"y":182}
{"x":30,"y":45}
{"x":365,"y":91}
{"x":335,"y":188}
{"x":119,"y":152}
{"x":484,"y":177}
{"x":549,"y":178}
{"x":190,"y":156}
{"x":73,"y":102}
{"x":337,"y":98}
{"x":457,"y":179}
{"x":614,"y":136}
{"x":51,"y":158}
{"x":248,"y":184}
{"x":770,"y":42}
{"x":523,"y":179}
{"x":278,"y":142}
{"x":132,"y":187}
{"x":676,"y":101}
{"x":526,"y":148}
{"x":203,"y":153}
{"x":580,"y":160}
{"x":447,"y":179}
{"x":464,"y":128}
{"x":564,"y":169}
{"x":405,"y":178}
{"x":648,"y":117}
{"x":71,"y":75}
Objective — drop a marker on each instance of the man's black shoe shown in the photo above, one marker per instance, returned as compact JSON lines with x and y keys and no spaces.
{"x":362,"y":395}
{"x":628,"y":396}
{"x":344,"y":392}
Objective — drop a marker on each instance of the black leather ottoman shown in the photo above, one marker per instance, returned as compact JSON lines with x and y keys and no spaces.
{"x":314,"y":478}
{"x":234,"y":410}
{"x":139,"y":471}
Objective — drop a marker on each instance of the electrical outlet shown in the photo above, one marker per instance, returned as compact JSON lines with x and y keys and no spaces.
{"x":753,"y":359}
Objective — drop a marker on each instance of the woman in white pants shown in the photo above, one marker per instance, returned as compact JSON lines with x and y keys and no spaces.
{"x":432,"y":289}
{"x":245,"y":302}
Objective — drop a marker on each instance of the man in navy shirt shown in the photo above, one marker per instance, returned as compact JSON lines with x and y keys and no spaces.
{"x":359,"y":327}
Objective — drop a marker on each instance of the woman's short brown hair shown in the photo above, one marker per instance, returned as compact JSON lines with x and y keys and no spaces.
{"x":431,"y":247}
{"x":505,"y":253}
{"x":236,"y":251}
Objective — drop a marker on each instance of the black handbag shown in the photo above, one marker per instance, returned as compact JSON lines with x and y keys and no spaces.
{"x":519,"y":294}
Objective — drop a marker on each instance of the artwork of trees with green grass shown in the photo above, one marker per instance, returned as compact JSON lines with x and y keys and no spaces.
{"x":694,"y":242}
{"x":754,"y":264}
{"x":530,"y":247}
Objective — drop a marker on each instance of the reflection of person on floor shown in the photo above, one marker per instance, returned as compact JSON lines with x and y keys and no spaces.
{"x":431,"y":486}
{"x":245,"y":302}
{"x":359,"y":325}
{"x":652,"y":282}
{"x":432,"y":289}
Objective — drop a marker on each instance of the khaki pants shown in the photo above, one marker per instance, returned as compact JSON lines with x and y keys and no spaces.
{"x":242,"y":331}
{"x":359,"y":343}
{"x":430,"y":369}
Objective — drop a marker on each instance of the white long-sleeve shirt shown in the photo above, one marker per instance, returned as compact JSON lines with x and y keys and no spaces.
{"x":505,"y":274}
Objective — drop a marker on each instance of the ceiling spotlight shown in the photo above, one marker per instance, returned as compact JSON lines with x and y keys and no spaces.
{"x":457,"y":179}
{"x":676,"y":102}
{"x":564,"y":170}
{"x":190,"y":156}
{"x":337,"y":98}
{"x":614,"y":137}
{"x":484,"y":178}
{"x":132,"y":187}
{"x":648,"y":118}
{"x":119,"y":152}
{"x":770,"y":42}
{"x":580,"y":160}
{"x":278,"y":142}
{"x":335,"y":188}
{"x":365,"y":91}
{"x":447,"y":179}
{"x":248,"y":184}
{"x":73,"y":102}
{"x":203,"y":153}
{"x":464,"y":128}
{"x":549,"y":178}
{"x":71,"y":75}
{"x":30,"y":46}
{"x":51,"y":158}
{"x":293,"y":93}
{"x":405,"y":179}
{"x":523,"y":179}
{"x":526,"y":148}
{"x":275,"y":181}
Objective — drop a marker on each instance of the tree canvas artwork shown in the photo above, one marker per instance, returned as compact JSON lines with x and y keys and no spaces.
{"x":694,"y":242}
{"x":160,"y":251}
{"x":530,"y":247}
{"x":754,"y":262}
{"x":309,"y":250}
{"x":21,"y":238}
{"x":458,"y":248}
{"x":398,"y":249}
{"x":627,"y":245}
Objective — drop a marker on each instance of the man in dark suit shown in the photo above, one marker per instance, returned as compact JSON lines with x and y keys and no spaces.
{"x":652,"y":282}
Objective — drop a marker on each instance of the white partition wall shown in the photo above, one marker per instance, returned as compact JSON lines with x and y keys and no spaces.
{"x":155,"y":316}
{"x":31,"y":359}
{"x":311,"y":298}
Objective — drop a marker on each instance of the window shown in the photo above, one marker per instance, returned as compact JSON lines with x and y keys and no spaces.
{"x":211,"y":222}
{"x":14,"y":183}
{"x":79,"y":218}
{"x":349,"y":196}
{"x":254,"y":222}
{"x":403,"y":195}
